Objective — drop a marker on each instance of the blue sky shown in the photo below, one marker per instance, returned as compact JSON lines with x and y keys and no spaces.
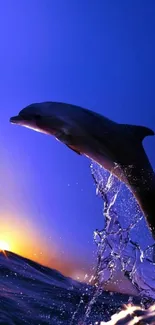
{"x":97,"y":54}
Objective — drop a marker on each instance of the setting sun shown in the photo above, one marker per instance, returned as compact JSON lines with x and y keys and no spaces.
{"x":4,"y":246}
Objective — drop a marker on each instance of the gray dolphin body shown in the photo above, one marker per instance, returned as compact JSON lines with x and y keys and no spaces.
{"x":116,"y":147}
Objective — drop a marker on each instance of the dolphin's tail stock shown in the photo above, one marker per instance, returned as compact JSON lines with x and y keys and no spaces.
{"x":139,"y":173}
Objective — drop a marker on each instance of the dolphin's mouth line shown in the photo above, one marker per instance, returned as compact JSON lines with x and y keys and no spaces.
{"x":15,"y":119}
{"x":19,"y":118}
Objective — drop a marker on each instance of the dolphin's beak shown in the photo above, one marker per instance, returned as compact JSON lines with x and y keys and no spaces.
{"x":16,"y":119}
{"x":19,"y":119}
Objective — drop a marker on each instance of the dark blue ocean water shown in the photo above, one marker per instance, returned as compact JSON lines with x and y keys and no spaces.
{"x":36,"y":295}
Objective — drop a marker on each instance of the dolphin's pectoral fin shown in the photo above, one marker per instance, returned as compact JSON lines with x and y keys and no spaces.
{"x":73,"y":149}
{"x":67,"y":139}
{"x":64,"y":136}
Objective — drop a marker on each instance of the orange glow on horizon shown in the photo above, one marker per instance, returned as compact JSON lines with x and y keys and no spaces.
{"x":4,"y":246}
{"x":22,"y":237}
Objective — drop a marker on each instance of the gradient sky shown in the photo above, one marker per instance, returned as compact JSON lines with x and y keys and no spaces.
{"x":96,"y":54}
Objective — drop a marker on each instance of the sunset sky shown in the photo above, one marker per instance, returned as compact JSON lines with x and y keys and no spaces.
{"x":96,"y":54}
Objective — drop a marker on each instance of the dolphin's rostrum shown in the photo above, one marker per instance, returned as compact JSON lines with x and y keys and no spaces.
{"x":116,"y":147}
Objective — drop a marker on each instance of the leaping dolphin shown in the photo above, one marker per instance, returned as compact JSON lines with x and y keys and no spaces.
{"x":116,"y":147}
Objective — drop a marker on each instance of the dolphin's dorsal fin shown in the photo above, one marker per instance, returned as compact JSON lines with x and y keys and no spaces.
{"x":140,"y":132}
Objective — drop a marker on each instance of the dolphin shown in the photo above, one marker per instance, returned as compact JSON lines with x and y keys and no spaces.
{"x":116,"y":147}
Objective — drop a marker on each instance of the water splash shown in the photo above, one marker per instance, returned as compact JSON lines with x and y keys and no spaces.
{"x":133,"y":315}
{"x":118,"y":253}
{"x":115,"y":248}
